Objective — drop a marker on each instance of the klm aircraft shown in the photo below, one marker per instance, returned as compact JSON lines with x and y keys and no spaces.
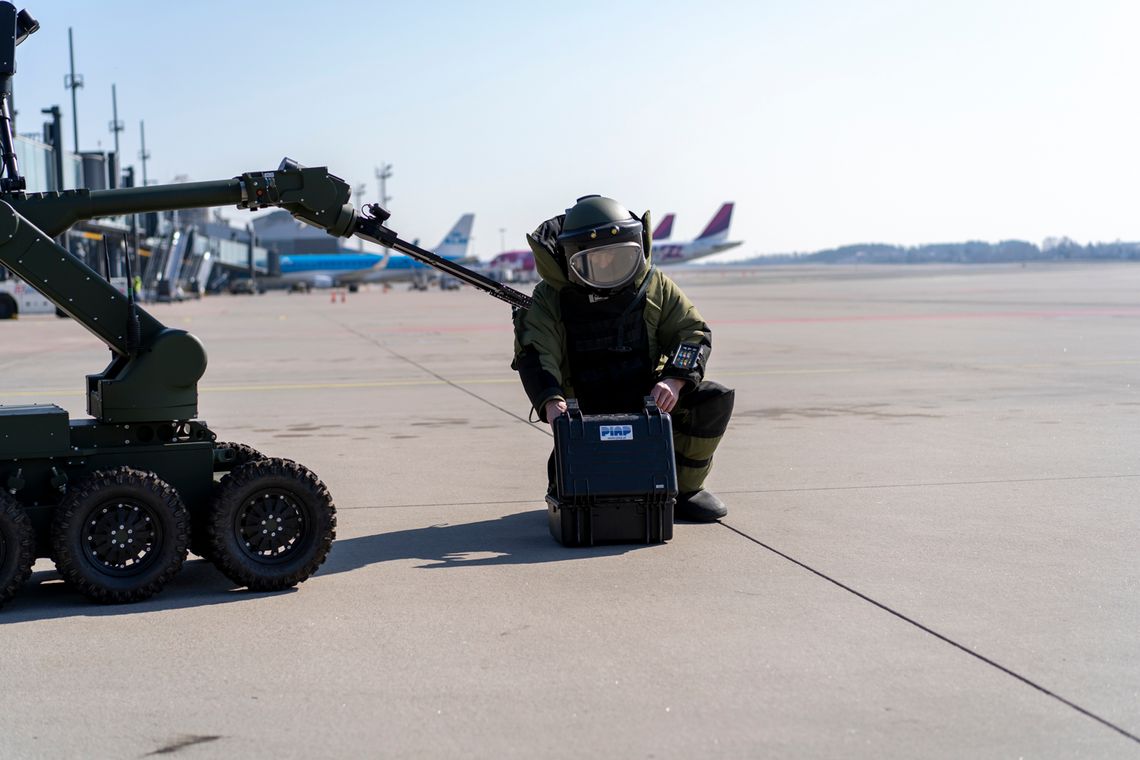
{"x":325,"y":270}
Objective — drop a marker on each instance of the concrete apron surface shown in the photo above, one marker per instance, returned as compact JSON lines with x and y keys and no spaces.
{"x":930,"y":549}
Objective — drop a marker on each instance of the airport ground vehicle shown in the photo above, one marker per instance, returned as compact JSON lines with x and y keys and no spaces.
{"x":245,"y":286}
{"x":17,"y":297}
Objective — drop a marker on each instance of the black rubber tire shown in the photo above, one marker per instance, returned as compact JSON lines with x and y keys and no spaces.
{"x":8,"y":308}
{"x":242,"y":453}
{"x":83,"y":535}
{"x":275,"y":493}
{"x":199,"y":519}
{"x":17,"y":547}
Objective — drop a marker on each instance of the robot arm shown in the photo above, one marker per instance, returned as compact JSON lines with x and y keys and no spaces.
{"x":154,"y":370}
{"x":309,"y":193}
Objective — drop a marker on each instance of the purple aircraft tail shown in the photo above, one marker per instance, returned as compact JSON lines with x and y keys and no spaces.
{"x":664,"y":228}
{"x":718,"y":227}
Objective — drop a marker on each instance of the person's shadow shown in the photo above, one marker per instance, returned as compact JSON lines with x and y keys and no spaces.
{"x":518,"y":539}
{"x":521,"y":538}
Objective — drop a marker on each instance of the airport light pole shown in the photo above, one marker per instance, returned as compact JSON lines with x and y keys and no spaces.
{"x":502,"y":239}
{"x":143,"y":153}
{"x":383,"y":174}
{"x":116,"y":127}
{"x":73,"y":82}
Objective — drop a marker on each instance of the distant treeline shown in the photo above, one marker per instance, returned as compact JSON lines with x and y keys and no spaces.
{"x":973,"y":252}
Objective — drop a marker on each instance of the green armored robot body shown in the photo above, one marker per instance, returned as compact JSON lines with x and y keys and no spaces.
{"x":116,"y":500}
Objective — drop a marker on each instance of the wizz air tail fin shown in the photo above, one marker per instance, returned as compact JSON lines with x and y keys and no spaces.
{"x":454,"y":245}
{"x":664,"y":228}
{"x":718,"y":227}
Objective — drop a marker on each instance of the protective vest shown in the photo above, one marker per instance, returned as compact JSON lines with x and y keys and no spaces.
{"x":607,"y":349}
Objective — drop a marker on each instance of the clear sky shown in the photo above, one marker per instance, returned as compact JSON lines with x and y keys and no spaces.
{"x":827,"y":121}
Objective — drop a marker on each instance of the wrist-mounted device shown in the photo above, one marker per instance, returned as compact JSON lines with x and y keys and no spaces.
{"x":689,"y":357}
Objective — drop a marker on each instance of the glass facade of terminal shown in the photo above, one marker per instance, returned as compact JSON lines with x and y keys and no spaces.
{"x":37,"y":163}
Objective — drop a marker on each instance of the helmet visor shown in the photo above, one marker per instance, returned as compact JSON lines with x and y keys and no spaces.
{"x":608,"y":266}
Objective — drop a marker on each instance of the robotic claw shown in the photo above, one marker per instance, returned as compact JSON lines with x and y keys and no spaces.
{"x":370,"y":226}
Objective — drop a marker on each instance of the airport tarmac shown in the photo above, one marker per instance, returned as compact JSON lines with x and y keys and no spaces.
{"x":931,"y":549}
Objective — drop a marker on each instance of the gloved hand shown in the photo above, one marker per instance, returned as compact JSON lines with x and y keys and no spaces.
{"x":666,"y":393}
{"x":553,"y":408}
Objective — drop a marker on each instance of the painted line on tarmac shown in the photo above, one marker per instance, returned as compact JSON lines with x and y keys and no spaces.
{"x":440,"y":380}
{"x":420,"y":329}
{"x":1036,"y":314}
{"x":445,"y":504}
{"x":440,"y":377}
{"x":820,"y":371}
{"x":291,"y":387}
{"x":45,"y":392}
{"x":895,"y":367}
{"x":1033,"y":314}
{"x":931,"y":485}
{"x":941,"y":637}
{"x":1052,"y":365}
{"x":342,"y":386}
{"x":746,"y":491}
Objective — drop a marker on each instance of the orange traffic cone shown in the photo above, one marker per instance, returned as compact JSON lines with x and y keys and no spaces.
{"x":332,"y":295}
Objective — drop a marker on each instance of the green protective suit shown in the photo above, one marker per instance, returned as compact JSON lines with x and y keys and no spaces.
{"x":542,"y":355}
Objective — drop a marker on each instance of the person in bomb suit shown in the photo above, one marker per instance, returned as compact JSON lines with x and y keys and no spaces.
{"x":608,"y":328}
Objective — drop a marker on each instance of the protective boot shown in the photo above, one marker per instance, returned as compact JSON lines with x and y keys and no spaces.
{"x":699,"y":422}
{"x":699,"y":506}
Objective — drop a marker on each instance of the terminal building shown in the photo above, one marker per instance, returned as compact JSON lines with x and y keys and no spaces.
{"x":175,"y":255}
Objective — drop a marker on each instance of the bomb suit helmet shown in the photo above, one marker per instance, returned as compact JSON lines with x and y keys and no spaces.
{"x":606,"y":247}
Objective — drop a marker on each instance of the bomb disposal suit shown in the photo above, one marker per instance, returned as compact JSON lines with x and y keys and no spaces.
{"x":608,"y":328}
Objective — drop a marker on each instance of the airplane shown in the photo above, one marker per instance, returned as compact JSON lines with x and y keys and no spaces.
{"x":324,"y":270}
{"x":518,"y":266}
{"x":511,"y":266}
{"x":714,"y":239}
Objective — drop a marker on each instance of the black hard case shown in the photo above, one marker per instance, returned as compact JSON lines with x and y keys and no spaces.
{"x":615,"y":477}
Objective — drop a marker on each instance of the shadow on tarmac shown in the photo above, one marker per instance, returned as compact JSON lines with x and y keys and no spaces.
{"x":46,"y":597}
{"x":517,"y":539}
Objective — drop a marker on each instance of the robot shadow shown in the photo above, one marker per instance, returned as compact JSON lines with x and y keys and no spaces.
{"x":518,"y":539}
{"x":46,"y":597}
